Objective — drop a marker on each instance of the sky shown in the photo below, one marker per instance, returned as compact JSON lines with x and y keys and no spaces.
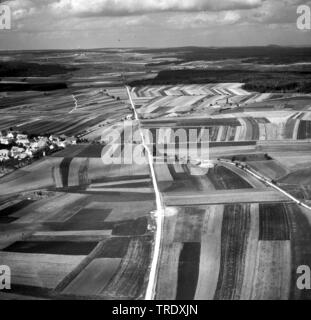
{"x":75,"y":24}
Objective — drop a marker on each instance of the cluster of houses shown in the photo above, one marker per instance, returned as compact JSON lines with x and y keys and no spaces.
{"x":15,"y":145}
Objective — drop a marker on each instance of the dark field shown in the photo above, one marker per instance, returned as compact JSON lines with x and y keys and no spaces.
{"x":302,"y":192}
{"x":27,"y":69}
{"x":261,"y":55}
{"x":224,"y":179}
{"x":85,"y":219}
{"x":64,"y":170}
{"x":5,"y":87}
{"x":95,"y":220}
{"x":81,"y":151}
{"x":59,"y":247}
{"x":250,"y":157}
{"x":304,"y":131}
{"x":132,"y":227}
{"x":273,"y":223}
{"x":60,"y":125}
{"x":7,"y":214}
{"x":232,"y":144}
{"x":114,"y":248}
{"x":188,"y":271}
{"x":300,"y":247}
{"x":235,"y":231}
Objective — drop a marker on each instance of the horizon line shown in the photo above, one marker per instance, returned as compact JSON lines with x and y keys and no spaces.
{"x":160,"y":47}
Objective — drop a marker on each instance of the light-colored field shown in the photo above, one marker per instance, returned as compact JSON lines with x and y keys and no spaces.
{"x":123,"y":190}
{"x":132,"y":210}
{"x":223,"y":197}
{"x":94,"y":278}
{"x":294,"y":161}
{"x":167,"y":278}
{"x":39,"y":270}
{"x":12,"y":235}
{"x":34,"y":177}
{"x":163,"y":173}
{"x":272,"y":169}
{"x":59,"y":208}
{"x":79,"y":236}
{"x":191,"y":90}
{"x":272,"y":271}
{"x":210,"y":253}
{"x":188,"y":225}
{"x":251,"y":254}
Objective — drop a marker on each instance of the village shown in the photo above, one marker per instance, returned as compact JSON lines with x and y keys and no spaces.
{"x":18,"y":149}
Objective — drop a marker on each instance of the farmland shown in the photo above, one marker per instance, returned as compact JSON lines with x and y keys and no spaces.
{"x":236,"y":237}
{"x":80,"y":233}
{"x":75,"y":227}
{"x":234,"y":254}
{"x":91,"y":221}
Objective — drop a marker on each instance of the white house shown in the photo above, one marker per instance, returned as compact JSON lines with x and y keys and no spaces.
{"x":62,"y":144}
{"x":21,"y":136}
{"x":71,"y":140}
{"x":34,"y":145}
{"x":16,"y":151}
{"x":5,"y":140}
{"x":23,"y":155}
{"x":43,"y":142}
{"x":29,"y":153}
{"x":4,"y":154}
{"x":23,"y":141}
{"x":10,"y":135}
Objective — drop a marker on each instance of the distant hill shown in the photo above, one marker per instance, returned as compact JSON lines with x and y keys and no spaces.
{"x":27,"y":69}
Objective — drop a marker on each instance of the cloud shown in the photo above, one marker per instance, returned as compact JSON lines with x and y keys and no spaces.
{"x":185,"y":22}
{"x":32,"y":15}
{"x":203,"y":19}
{"x":275,"y":12}
{"x":132,"y":7}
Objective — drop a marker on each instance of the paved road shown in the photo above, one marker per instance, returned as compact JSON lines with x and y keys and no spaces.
{"x":159,"y":214}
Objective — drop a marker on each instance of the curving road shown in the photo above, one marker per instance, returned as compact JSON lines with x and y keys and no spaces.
{"x":267,"y":181}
